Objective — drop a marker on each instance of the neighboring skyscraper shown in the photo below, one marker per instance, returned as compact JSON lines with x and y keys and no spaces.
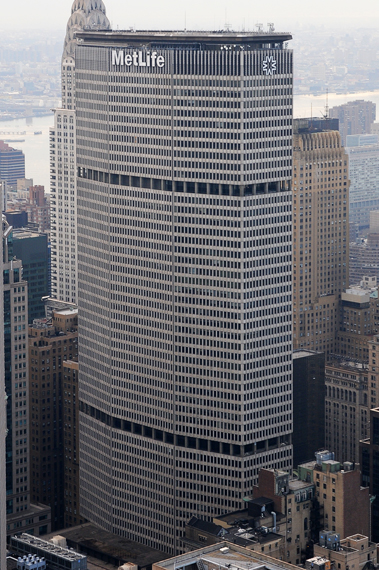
{"x":85,"y":14}
{"x":355,"y":118}
{"x":320,"y":233}
{"x":363,"y":176}
{"x":369,"y":457}
{"x":31,"y":248}
{"x":308,"y":404}
{"x":184,"y":240}
{"x":12,"y":164}
{"x":51,"y":343}
{"x":346,"y":408}
{"x":21,"y":514}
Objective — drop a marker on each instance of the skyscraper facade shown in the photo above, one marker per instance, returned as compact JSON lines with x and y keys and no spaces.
{"x":363,"y":176}
{"x":21,"y":514}
{"x":85,"y":14}
{"x":320,"y":233}
{"x":355,"y":117}
{"x":184,"y":156}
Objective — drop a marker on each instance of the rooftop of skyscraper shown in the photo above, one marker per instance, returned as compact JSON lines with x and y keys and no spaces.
{"x":223,"y":38}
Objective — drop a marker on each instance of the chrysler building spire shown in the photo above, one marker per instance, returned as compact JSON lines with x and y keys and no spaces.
{"x":85,"y":14}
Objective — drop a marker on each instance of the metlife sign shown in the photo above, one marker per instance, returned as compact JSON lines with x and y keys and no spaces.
{"x":137,"y":59}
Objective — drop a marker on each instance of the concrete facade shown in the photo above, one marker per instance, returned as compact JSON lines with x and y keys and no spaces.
{"x":320,"y":234}
{"x":184,"y":242}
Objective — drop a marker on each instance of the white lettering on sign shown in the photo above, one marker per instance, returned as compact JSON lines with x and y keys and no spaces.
{"x":138,"y":59}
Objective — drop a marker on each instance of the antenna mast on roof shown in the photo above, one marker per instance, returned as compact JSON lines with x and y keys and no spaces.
{"x":327,"y":104}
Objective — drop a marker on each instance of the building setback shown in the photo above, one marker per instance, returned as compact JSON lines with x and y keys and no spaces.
{"x":184,"y":273}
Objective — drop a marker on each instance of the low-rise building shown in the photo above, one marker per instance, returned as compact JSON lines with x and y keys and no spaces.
{"x":223,"y":556}
{"x":345,"y":504}
{"x":351,"y":553}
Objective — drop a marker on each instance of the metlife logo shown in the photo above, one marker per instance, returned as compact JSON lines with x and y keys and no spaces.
{"x":137,"y":59}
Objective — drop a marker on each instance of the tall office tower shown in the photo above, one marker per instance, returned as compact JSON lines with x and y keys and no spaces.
{"x":21,"y":514}
{"x":12,"y":164}
{"x":184,"y":241}
{"x":363,"y":176}
{"x":355,"y":118}
{"x":320,"y":233}
{"x":85,"y":14}
{"x":51,"y":343}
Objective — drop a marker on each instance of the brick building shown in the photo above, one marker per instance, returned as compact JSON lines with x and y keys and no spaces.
{"x":51,"y":344}
{"x":345,"y":504}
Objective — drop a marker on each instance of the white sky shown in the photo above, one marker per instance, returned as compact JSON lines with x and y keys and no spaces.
{"x":199,"y":14}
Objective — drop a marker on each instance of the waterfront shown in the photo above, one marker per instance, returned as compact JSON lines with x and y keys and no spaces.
{"x":36,"y":147}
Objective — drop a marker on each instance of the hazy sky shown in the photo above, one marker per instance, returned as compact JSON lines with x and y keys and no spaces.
{"x":199,"y":14}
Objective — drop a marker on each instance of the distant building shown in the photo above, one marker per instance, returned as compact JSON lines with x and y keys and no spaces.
{"x":31,"y":248}
{"x":51,"y":343}
{"x":355,"y":118}
{"x":364,"y":253}
{"x":320,"y":232}
{"x":12,"y":164}
{"x":17,"y":218}
{"x":35,"y":204}
{"x":363,"y":152}
{"x":308,"y":404}
{"x":345,"y":504}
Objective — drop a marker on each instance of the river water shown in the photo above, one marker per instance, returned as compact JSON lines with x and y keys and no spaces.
{"x":36,"y":147}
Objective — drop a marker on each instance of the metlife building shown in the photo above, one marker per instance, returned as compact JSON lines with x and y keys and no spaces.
{"x":184,"y":156}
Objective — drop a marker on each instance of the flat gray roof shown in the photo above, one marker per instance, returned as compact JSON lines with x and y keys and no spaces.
{"x":180,"y":37}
